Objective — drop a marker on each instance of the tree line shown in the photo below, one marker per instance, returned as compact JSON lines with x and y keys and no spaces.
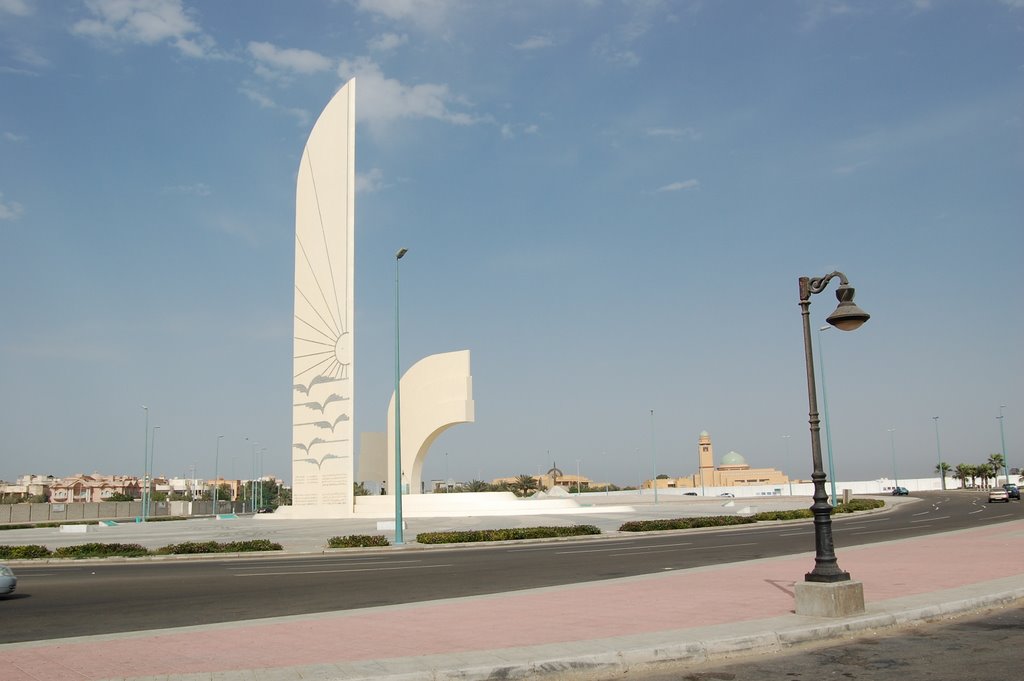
{"x":975,"y":475}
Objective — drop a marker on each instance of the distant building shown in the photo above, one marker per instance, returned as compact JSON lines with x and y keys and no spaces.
{"x":733,"y":471}
{"x":556,"y":478}
{"x":93,"y":488}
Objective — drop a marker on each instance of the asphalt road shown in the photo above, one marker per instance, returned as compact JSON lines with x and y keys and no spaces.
{"x":977,"y":647}
{"x":56,"y":601}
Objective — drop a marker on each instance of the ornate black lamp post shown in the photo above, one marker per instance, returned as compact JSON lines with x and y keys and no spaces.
{"x":847,"y":317}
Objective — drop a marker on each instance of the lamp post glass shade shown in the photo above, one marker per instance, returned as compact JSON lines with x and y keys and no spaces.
{"x":846,"y":317}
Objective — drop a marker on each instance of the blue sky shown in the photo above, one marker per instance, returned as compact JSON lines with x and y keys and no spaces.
{"x":609,"y":203}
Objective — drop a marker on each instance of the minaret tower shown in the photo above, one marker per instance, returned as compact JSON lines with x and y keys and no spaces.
{"x":706,"y":453}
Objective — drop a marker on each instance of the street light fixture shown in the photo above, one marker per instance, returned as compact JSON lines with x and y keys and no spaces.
{"x":938,"y":451}
{"x":1002,"y":442}
{"x":399,"y":530}
{"x":216,"y":479}
{"x":892,"y":446}
{"x":145,"y":464}
{"x":846,"y":317}
{"x":654,"y":461}
{"x":151,"y":476}
{"x":828,"y":425}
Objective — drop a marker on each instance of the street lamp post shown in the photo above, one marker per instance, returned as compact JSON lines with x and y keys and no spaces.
{"x":1002,"y":442}
{"x":216,"y":481}
{"x":145,"y":465}
{"x":577,"y":477}
{"x":828,"y":426}
{"x":399,"y":530}
{"x":938,"y":451}
{"x":892,"y":446}
{"x":654,"y":461}
{"x":846,"y":317}
{"x":152,"y":467}
{"x":786,"y":439}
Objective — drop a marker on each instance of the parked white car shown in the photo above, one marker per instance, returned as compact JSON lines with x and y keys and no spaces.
{"x":8,"y":581}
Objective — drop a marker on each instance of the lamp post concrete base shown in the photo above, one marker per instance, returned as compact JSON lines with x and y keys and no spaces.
{"x":830,"y":599}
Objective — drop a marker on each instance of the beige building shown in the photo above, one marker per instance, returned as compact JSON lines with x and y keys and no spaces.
{"x":732,"y":471}
{"x":556,"y":478}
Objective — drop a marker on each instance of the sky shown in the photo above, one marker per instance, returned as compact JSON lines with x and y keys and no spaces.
{"x":609,"y":203}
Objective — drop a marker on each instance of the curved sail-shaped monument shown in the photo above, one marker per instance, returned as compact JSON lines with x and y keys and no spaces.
{"x":322,"y":391}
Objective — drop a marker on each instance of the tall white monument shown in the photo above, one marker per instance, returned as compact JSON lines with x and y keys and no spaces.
{"x":322,"y":392}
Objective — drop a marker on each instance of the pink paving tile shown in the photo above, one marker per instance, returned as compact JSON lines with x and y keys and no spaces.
{"x":720,"y":595}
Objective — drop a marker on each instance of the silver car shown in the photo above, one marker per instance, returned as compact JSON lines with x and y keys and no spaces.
{"x":7,"y":580}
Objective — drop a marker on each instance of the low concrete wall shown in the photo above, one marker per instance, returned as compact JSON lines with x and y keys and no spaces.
{"x":107,"y":510}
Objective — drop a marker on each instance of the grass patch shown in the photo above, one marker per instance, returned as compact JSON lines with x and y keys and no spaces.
{"x":194,"y":547}
{"x":684,"y":523}
{"x":24,"y":551}
{"x":97,"y":550}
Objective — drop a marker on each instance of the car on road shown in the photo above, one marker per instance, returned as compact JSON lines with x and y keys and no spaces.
{"x":998,"y":494}
{"x":1012,"y":490}
{"x":727,"y":494}
{"x":8,"y":581}
{"x":900,"y":491}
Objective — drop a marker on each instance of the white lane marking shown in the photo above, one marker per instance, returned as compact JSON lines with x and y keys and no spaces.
{"x":554,"y":547}
{"x":858,"y":527}
{"x":792,"y":534}
{"x":978,"y":511}
{"x":327,"y":572}
{"x":928,"y":520}
{"x":895,"y":529}
{"x":993,"y":517}
{"x":326,"y":564}
{"x":926,"y":512}
{"x":695,"y":548}
{"x":619,"y":548}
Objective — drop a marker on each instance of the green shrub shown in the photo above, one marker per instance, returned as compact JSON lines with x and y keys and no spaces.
{"x":796,"y":514}
{"x":357,"y":540}
{"x":858,"y":505}
{"x":509,"y":534}
{"x":96,"y":550}
{"x":190,"y":547}
{"x":23,"y":552}
{"x":17,"y":526}
{"x":193,"y":547}
{"x":684,"y":523}
{"x":252,"y":545}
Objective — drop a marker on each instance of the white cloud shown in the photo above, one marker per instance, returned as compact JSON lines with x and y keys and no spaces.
{"x":430,"y":15}
{"x":265,"y":102}
{"x":27,"y":55}
{"x":387,"y":42}
{"x":14,"y":137}
{"x":382,"y":99}
{"x":303,"y":62}
{"x":685,"y":185}
{"x":510,"y":130}
{"x":369,"y":182}
{"x":18,"y":8}
{"x":536,"y":42}
{"x":849,"y":169}
{"x":9,"y":210}
{"x":145,"y":22}
{"x":197,"y":189}
{"x":819,"y":11}
{"x":1013,"y":4}
{"x":676,"y":134}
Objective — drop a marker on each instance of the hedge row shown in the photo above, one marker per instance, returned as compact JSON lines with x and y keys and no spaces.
{"x":722,"y":520}
{"x":357,"y":540}
{"x":462,"y":536}
{"x":684,"y":523}
{"x":96,"y":550}
{"x":58,"y":523}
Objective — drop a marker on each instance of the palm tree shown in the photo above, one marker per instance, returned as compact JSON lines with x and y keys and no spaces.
{"x":475,"y":486}
{"x":942,"y":468}
{"x":522,"y":485}
{"x":962,"y":473}
{"x":997,"y":462}
{"x":983,"y":471}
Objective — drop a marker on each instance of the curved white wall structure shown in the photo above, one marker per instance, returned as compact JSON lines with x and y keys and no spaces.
{"x":437,"y":393}
{"x":322,"y":404}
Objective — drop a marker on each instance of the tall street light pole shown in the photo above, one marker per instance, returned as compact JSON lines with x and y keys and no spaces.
{"x":216,"y":479}
{"x":152,"y":466}
{"x":938,"y":451}
{"x":786,"y":439}
{"x":578,"y":483}
{"x":828,"y":427}
{"x":399,"y":530}
{"x":145,"y":464}
{"x":654,"y":461}
{"x":892,"y":446}
{"x":1002,"y":442}
{"x":846,"y":317}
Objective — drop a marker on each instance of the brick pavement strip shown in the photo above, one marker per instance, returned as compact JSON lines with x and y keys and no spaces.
{"x":569,"y":631}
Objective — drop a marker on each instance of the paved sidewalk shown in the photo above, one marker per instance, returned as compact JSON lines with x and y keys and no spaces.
{"x":592,"y":630}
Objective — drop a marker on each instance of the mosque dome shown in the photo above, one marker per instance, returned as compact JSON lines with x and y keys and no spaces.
{"x":704,"y":433}
{"x":734,"y":459}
